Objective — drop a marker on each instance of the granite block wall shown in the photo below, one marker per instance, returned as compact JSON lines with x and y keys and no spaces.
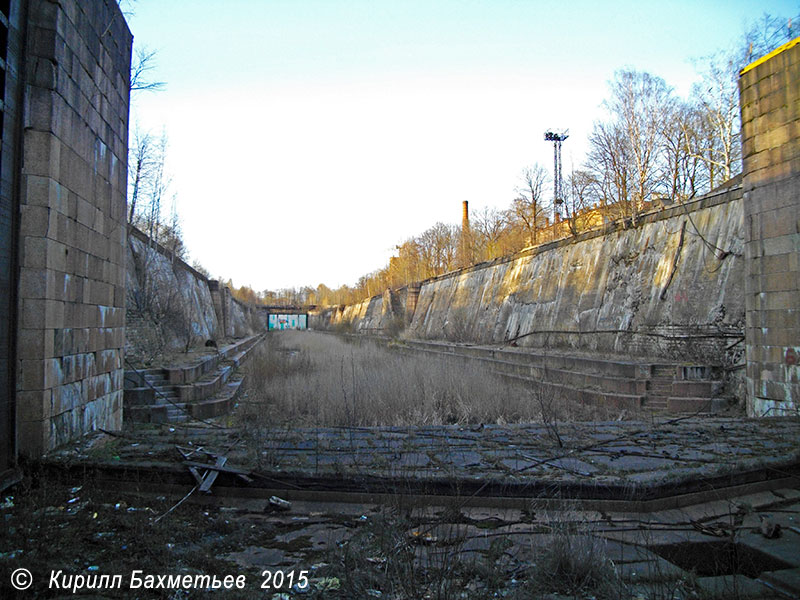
{"x":72,"y":199}
{"x":770,"y":105}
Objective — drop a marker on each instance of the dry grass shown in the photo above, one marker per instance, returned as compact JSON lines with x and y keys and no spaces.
{"x":576,"y":564}
{"x":315,"y":379}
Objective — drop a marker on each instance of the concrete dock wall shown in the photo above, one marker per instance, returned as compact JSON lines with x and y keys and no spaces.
{"x":670,"y":287}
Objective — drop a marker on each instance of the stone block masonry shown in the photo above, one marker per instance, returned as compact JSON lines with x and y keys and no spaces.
{"x":770,"y":105}
{"x":668,"y":288}
{"x":603,"y":292}
{"x":72,"y":227}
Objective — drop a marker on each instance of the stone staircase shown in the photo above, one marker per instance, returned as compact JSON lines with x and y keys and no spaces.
{"x":614,"y":382}
{"x":201,"y":390}
{"x":165,"y":399}
{"x":659,"y":388}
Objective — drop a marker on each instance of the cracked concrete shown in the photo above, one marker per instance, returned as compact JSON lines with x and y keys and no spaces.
{"x":503,"y":494}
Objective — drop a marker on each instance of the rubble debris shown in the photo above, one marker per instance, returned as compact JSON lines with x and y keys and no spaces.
{"x":325,"y":584}
{"x":211,"y":471}
{"x":279,"y":503}
{"x":769,"y":528}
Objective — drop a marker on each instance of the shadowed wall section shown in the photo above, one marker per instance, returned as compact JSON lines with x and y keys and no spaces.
{"x":11,"y":30}
{"x":189,"y":308}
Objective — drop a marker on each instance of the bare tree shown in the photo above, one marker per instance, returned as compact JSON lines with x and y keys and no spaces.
{"x":171,"y":234}
{"x":609,"y":165}
{"x":715,"y":137}
{"x":142,"y":64}
{"x":580,"y":185}
{"x":140,"y":162}
{"x":625,"y":151}
{"x":438,"y":248}
{"x":716,"y":101}
{"x":680,"y":168}
{"x":530,"y":206}
{"x":765,"y":35}
{"x":488,"y":227}
{"x":157,"y":188}
{"x":639,"y":101}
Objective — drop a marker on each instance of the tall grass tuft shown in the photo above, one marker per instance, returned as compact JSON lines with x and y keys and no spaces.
{"x":574,"y":563}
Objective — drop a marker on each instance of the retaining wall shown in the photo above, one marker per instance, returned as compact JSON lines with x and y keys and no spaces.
{"x":670,"y":287}
{"x":192,"y":307}
{"x":379,"y":314}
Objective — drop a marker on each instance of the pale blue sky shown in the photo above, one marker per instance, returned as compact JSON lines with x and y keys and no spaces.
{"x":307,"y":138}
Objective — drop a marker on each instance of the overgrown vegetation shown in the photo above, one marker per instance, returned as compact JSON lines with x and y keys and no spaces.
{"x":574,"y":563}
{"x":398,"y":551}
{"x":402,"y":553}
{"x":314,"y":379}
{"x":83,"y":530}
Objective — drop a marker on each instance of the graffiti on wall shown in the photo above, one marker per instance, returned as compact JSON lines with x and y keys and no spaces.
{"x":281,"y":322}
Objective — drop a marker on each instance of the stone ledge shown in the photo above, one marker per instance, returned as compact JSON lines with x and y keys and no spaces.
{"x":612,"y":383}
{"x":189,"y":374}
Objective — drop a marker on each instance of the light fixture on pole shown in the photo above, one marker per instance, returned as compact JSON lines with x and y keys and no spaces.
{"x":558,"y":187}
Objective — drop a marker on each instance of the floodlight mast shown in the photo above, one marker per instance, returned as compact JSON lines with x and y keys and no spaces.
{"x":558,"y":186}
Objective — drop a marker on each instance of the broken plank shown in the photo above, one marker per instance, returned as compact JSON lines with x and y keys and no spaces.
{"x":196,"y":474}
{"x":211,"y":475}
{"x":215,"y":467}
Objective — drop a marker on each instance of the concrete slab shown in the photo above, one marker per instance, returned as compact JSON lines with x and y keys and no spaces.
{"x":787,"y":581}
{"x":688,"y":458}
{"x":734,"y":586}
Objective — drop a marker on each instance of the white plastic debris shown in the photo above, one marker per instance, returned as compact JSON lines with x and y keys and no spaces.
{"x":279,"y":503}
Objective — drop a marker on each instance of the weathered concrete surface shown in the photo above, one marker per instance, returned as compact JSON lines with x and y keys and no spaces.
{"x":151,"y":272}
{"x":636,"y":489}
{"x":366,"y":550}
{"x":235,"y":318}
{"x":613,"y":293}
{"x":72,"y":221}
{"x":770,"y":105}
{"x":201,"y":387}
{"x":632,"y":383}
{"x":190,"y":307}
{"x":614,"y":461}
{"x":378,"y":314}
